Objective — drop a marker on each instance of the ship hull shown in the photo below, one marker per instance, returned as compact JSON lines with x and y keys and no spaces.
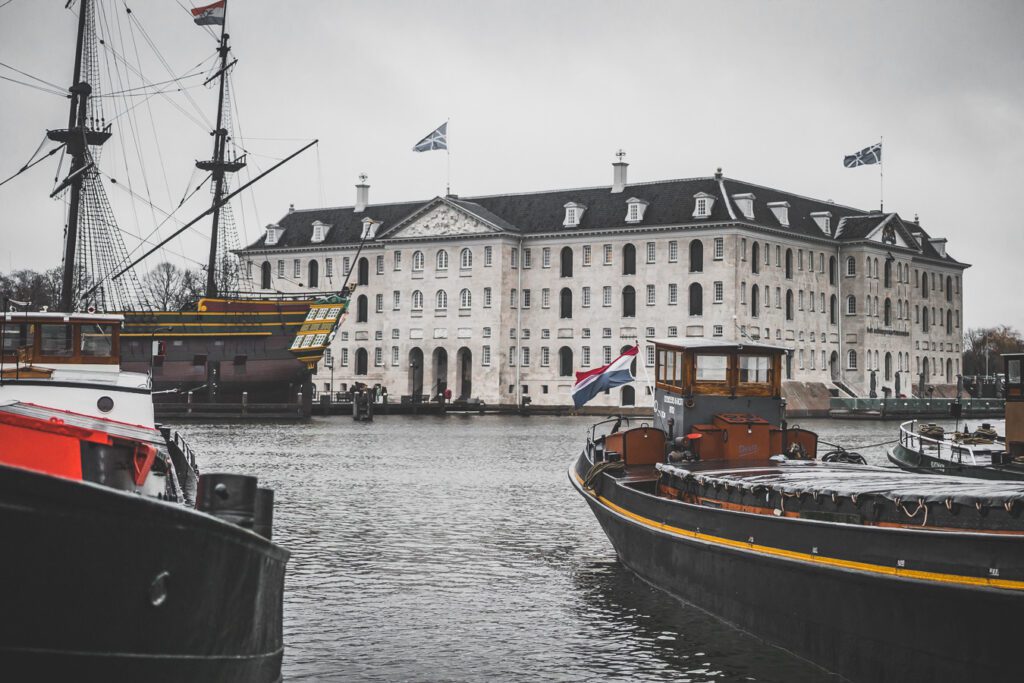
{"x":861,"y":625}
{"x":99,"y":584}
{"x":913,"y":461}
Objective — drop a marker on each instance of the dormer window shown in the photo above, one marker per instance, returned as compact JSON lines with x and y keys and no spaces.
{"x":824,"y":220}
{"x":274,"y":233}
{"x":319,"y":231}
{"x":573,"y":214}
{"x":745,"y":203}
{"x":703,"y":203}
{"x":781,"y":211}
{"x":369,"y":228}
{"x":635,"y":210}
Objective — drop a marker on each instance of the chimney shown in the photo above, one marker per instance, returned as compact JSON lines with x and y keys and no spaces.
{"x":619,"y":173}
{"x":718,"y":173}
{"x":362,"y":194}
{"x":291,"y":208}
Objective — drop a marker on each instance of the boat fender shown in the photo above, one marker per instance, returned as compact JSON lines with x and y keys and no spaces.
{"x":263,"y":513}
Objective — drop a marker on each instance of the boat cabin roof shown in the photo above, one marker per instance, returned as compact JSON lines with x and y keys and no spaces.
{"x":52,"y":316}
{"x":726,"y":345}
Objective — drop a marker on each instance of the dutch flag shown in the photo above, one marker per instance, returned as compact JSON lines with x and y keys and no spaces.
{"x":210,"y":14}
{"x":590,"y":384}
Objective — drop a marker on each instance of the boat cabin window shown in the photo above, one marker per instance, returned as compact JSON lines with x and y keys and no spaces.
{"x":97,"y":340}
{"x":669,"y":370}
{"x":55,"y":340}
{"x":712,"y":367}
{"x":18,"y":336}
{"x":1013,"y":367}
{"x":755,"y":369}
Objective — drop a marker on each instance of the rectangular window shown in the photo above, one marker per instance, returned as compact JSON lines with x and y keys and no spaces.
{"x":488,"y":256}
{"x":586,"y":356}
{"x":719,"y":248}
{"x":545,"y":257}
{"x":586,"y":297}
{"x":485,"y":355}
{"x":822,"y":299}
{"x":280,"y":268}
{"x":526,"y":298}
{"x":380,"y":264}
{"x":344,"y":357}
{"x":380,"y":303}
{"x":607,"y":254}
{"x":545,"y":334}
{"x":396,"y":333}
{"x":296,"y":268}
{"x":650,"y":252}
{"x":248,"y":269}
{"x":545,"y":356}
{"x":394,"y":356}
{"x":545,"y":298}
{"x":606,"y":333}
{"x":607,"y":351}
{"x":487,"y":333}
{"x":800,"y":259}
{"x":515,"y":259}
{"x":487,"y":297}
{"x":398,"y":260}
{"x":526,"y":356}
{"x":512,"y":356}
{"x":606,"y":296}
{"x":743,"y":249}
{"x":778,"y":256}
{"x":527,"y":258}
{"x":329,"y":266}
{"x":673,"y":331}
{"x":650,"y":295}
{"x":821,"y":263}
{"x":673,"y":251}
{"x":586,"y":255}
{"x":650,"y":356}
{"x":378,"y":357}
{"x":743,"y":292}
{"x":513,"y":300}
{"x":346,"y":265}
{"x":778,"y":297}
{"x":719,"y":292}
{"x":585,"y":333}
{"x":810,"y":302}
{"x":396,"y":300}
{"x":673,"y":294}
{"x":800,"y":299}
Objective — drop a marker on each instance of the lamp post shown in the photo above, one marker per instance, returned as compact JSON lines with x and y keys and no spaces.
{"x":329,"y":362}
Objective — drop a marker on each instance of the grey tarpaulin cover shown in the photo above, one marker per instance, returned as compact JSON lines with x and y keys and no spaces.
{"x":817,"y":478}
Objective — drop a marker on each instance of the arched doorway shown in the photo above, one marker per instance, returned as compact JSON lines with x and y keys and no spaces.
{"x":696,"y":256}
{"x":833,"y":365}
{"x":565,"y":303}
{"x":628,"y":397}
{"x":362,"y":361}
{"x":265,"y":275}
{"x":755,"y":299}
{"x":565,"y":365}
{"x":314,"y":274}
{"x":628,"y":302}
{"x":416,"y":373}
{"x":464,"y":373}
{"x":440,"y":381}
{"x":888,"y":362}
{"x":363,"y":276}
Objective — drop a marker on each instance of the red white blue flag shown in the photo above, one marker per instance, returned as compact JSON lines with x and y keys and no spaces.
{"x":589,"y":384}
{"x":865,"y":157}
{"x":210,"y":14}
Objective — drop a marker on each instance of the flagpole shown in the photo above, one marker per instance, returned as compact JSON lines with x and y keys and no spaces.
{"x":881,"y":177}
{"x":448,"y":153}
{"x":647,"y":377}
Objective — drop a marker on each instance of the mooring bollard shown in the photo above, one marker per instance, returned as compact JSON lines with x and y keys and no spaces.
{"x":245,"y":402}
{"x":189,"y":409}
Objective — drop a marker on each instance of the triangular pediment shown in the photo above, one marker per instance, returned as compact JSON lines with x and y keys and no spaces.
{"x":441,"y":218}
{"x":890,"y":231}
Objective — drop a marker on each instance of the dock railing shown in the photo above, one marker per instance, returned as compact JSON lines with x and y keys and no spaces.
{"x":941,"y":449}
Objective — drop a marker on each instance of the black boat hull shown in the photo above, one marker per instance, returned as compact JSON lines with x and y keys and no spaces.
{"x":862,"y":625}
{"x":98,"y":584}
{"x":913,"y":461}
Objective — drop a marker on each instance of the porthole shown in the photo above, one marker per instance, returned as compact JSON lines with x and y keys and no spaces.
{"x":105,"y":404}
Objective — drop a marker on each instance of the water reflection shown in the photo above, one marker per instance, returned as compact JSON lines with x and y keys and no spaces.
{"x":454,"y":549}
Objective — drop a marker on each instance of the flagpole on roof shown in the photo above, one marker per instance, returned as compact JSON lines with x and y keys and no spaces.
{"x":881,"y":177}
{"x":448,"y":153}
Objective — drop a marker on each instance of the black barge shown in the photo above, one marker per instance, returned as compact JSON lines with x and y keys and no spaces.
{"x":872,"y":573}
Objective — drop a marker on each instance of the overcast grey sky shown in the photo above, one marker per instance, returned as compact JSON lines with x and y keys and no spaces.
{"x":541,"y":94}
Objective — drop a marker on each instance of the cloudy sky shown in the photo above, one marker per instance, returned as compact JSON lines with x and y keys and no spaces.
{"x":540,"y":95}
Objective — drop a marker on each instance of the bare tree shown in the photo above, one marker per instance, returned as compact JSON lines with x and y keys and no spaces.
{"x":162,"y":286}
{"x":989,"y":342}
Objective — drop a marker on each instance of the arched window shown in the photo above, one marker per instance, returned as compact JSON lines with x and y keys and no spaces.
{"x":832,"y":270}
{"x":314,"y":274}
{"x":628,"y":396}
{"x":566,"y":262}
{"x":565,"y":303}
{"x":628,"y":259}
{"x":949,"y":289}
{"x":628,"y":302}
{"x":789,"y":264}
{"x":465,"y":299}
{"x":417,"y":261}
{"x":565,"y":365}
{"x":875,"y":274}
{"x":265,"y":275}
{"x":441,"y":300}
{"x":755,"y":299}
{"x":887,"y":315}
{"x":362,"y":309}
{"x":361,"y":361}
{"x":442,"y":259}
{"x":696,"y":256}
{"x":888,"y":273}
{"x":755,"y":257}
{"x":851,"y":265}
{"x":696,"y":299}
{"x":363,"y":271}
{"x":851,"y":360}
{"x":466,"y":259}
{"x":833,"y":314}
{"x":417,"y":300}
{"x":888,"y":366}
{"x":949,"y":322}
{"x":924,"y":319}
{"x":789,"y":304}
{"x":851,"y":305}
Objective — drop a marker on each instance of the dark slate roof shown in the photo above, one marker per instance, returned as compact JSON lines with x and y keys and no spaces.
{"x":670,"y":202}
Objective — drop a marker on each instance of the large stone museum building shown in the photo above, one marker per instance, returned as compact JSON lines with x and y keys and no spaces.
{"x":503,"y":297}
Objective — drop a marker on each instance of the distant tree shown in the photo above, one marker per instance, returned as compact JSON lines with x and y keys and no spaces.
{"x":990,"y":341}
{"x":193,"y":287}
{"x":30,"y":287}
{"x":162,"y":286}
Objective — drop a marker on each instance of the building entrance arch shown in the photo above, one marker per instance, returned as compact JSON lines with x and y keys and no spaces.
{"x":464,"y":373}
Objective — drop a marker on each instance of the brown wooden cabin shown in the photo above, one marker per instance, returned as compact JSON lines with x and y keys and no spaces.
{"x":33,"y":339}
{"x":715,"y":400}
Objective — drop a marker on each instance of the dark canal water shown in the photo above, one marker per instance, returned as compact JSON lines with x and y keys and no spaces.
{"x":455,"y":549}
